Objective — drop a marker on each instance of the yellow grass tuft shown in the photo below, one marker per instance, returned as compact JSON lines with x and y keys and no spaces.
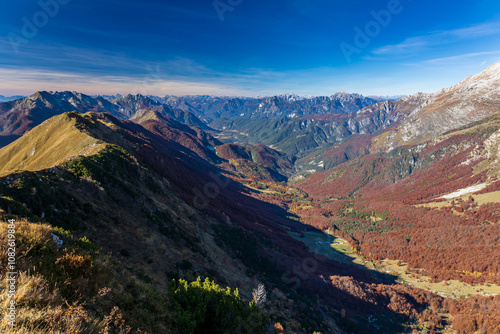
{"x":41,"y":308}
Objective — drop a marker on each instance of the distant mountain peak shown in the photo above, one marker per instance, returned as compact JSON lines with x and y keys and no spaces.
{"x":290,"y":97}
{"x":344,"y":96}
{"x":10,"y":98}
{"x":344,"y":93}
{"x":58,"y":95}
{"x":137,"y":98}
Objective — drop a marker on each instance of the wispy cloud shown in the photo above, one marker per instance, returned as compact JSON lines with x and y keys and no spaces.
{"x":418,"y":43}
{"x":104,"y":71}
{"x":27,"y":81}
{"x":93,"y":71}
{"x":462,"y":57}
{"x":180,"y":76}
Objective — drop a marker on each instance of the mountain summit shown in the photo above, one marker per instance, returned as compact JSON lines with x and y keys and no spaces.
{"x":469,"y":101}
{"x":19,"y":116}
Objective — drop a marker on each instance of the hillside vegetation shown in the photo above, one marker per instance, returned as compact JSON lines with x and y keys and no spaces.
{"x":145,"y":233}
{"x":73,"y":288}
{"x":157,"y":214}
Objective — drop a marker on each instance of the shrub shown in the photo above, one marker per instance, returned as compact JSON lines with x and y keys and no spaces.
{"x":204,"y":307}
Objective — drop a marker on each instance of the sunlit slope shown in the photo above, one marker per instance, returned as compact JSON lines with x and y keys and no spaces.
{"x":469,"y":101}
{"x":49,"y":144}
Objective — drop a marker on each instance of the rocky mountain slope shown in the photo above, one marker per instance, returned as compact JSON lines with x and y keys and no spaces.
{"x":470,"y":100}
{"x":341,"y":149}
{"x":19,"y":116}
{"x":302,"y":134}
{"x":211,"y":108}
{"x":129,"y":105}
{"x":191,"y":137}
{"x":322,"y":141}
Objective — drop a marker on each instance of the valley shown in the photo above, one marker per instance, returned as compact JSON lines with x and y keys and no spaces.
{"x":340,"y":250}
{"x":249,"y":167}
{"x":355,"y":220}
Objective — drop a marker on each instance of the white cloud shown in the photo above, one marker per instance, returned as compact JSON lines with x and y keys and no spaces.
{"x":418,"y":43}
{"x":464,"y":57}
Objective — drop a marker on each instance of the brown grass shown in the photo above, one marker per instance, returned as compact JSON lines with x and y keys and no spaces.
{"x":448,"y":289}
{"x":50,"y":144}
{"x":41,"y":308}
{"x":480,"y":199}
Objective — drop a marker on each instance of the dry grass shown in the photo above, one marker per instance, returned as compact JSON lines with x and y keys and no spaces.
{"x":448,"y":289}
{"x":41,"y":308}
{"x":480,"y":199}
{"x":47,"y":145}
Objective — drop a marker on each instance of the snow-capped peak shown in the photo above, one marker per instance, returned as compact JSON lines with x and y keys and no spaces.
{"x":290,"y":97}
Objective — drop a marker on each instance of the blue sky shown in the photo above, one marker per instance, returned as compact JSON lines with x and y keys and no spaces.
{"x":245,"y":47}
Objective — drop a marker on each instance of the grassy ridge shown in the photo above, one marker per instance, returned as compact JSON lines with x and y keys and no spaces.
{"x":49,"y":144}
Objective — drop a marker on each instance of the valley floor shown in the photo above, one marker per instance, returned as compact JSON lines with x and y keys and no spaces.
{"x":340,"y":250}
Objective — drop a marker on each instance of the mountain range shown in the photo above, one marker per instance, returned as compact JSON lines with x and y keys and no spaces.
{"x":10,"y":98}
{"x":19,"y":116}
{"x":320,"y":140}
{"x":211,"y":108}
{"x":357,"y":215}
